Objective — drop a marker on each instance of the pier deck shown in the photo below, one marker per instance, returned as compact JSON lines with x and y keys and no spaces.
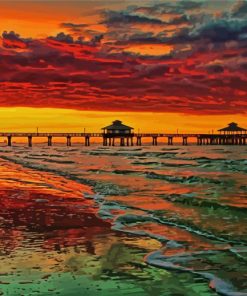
{"x":128,"y":139}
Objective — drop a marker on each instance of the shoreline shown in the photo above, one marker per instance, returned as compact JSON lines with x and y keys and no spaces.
{"x":44,"y":201}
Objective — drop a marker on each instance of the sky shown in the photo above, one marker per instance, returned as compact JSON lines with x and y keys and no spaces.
{"x":157,"y":65}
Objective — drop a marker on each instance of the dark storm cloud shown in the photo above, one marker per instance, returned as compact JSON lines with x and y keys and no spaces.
{"x":240,"y":9}
{"x":73,"y":26}
{"x":189,"y":5}
{"x":13,"y":40}
{"x":62,"y":37}
{"x":217,"y":31}
{"x":222,"y":31}
{"x":201,"y":26}
{"x":168,"y":7}
{"x":125,"y":17}
{"x":67,"y":38}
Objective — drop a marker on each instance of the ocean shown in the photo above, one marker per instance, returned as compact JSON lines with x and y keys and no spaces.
{"x":164,"y":220}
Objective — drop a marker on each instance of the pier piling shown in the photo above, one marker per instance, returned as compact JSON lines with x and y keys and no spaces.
{"x":68,"y":140}
{"x":49,"y":140}
{"x":138,"y":141}
{"x":9,"y":140}
{"x":87,"y":141}
{"x":122,"y":141}
{"x":155,"y":141}
{"x":170,"y":140}
{"x":185,"y":141}
{"x":30,"y":138}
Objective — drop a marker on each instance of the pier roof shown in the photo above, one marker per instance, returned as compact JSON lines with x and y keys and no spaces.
{"x":117,"y":125}
{"x":232,"y":127}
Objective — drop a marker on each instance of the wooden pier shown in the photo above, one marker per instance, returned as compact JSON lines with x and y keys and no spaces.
{"x":132,"y":139}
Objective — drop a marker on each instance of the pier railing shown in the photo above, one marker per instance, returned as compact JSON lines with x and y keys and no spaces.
{"x":128,"y":139}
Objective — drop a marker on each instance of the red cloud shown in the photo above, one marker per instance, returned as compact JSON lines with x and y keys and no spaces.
{"x":56,"y":73}
{"x":13,"y":40}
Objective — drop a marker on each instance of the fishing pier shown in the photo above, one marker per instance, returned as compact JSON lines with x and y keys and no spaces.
{"x":133,"y":139}
{"x":231,"y":135}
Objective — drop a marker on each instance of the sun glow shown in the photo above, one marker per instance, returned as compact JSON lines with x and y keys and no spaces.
{"x":68,"y":120}
{"x":150,"y":49}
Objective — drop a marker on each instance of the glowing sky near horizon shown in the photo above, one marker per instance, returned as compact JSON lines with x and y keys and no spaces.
{"x":102,"y":60}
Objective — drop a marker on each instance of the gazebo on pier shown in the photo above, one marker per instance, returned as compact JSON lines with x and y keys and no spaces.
{"x":117,"y":130}
{"x":232,"y":129}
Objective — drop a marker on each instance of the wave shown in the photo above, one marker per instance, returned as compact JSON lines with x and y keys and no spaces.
{"x":164,"y":164}
{"x":243,"y":187}
{"x":216,"y":283}
{"x":152,"y":216}
{"x":175,"y":262}
{"x":187,"y":179}
{"x":59,"y":161}
{"x":134,"y":153}
{"x":192,"y":200}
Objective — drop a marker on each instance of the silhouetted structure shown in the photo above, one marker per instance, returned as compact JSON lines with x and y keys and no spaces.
{"x":117,"y":130}
{"x":232,"y":128}
{"x":232,"y":135}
